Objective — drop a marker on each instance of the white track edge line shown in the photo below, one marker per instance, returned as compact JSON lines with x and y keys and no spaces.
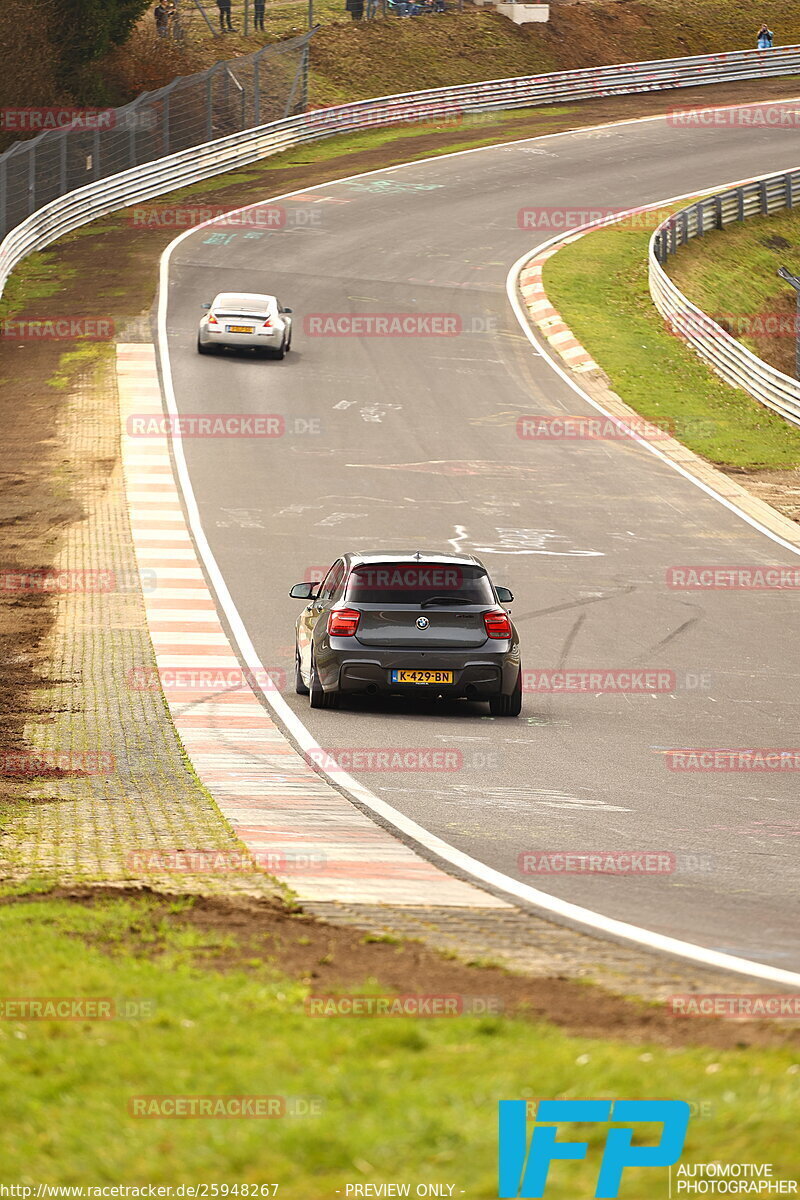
{"x":478,"y":871}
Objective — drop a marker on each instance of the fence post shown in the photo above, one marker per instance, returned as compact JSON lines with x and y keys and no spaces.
{"x":96,"y":155}
{"x":210,"y":104}
{"x":762,"y":191}
{"x":32,"y":178}
{"x":701,"y":225}
{"x":62,"y":165}
{"x":257,"y":88}
{"x":165,"y":122}
{"x":718,"y":218}
{"x":740,"y":198}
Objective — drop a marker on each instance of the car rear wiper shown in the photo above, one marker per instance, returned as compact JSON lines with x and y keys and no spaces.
{"x":446,"y":600}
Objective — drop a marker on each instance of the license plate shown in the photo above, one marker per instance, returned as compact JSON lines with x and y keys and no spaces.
{"x":238,"y":328}
{"x":422,"y":676}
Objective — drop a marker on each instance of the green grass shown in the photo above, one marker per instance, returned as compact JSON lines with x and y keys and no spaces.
{"x":599,"y":285}
{"x":38,"y":277}
{"x":402,"y":1100}
{"x":71,"y":362}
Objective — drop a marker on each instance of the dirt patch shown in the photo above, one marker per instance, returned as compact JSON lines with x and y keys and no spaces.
{"x":781,"y":489}
{"x":332,"y":960}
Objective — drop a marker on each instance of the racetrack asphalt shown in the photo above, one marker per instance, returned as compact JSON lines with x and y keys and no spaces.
{"x":411,"y":442}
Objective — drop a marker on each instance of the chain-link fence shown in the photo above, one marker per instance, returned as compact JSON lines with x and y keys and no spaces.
{"x":230,"y":96}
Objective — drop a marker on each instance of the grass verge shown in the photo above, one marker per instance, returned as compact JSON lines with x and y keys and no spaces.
{"x":599,"y":285}
{"x":731,"y":275}
{"x":397,"y":1100}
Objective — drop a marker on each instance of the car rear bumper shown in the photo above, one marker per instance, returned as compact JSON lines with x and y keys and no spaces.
{"x":476,"y":676}
{"x":267,"y":340}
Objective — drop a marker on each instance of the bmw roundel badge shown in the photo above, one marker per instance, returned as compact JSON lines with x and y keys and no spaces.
{"x":422,"y":622}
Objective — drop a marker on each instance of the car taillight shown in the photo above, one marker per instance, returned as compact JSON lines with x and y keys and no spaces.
{"x":212,"y":320}
{"x":343,"y":622}
{"x":267,"y":324}
{"x":497,"y":624}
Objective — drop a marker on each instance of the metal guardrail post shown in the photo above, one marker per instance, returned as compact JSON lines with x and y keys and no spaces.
{"x":762,"y":191}
{"x":740,"y":199}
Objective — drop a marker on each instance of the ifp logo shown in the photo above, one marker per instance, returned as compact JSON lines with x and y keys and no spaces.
{"x":524,"y":1169}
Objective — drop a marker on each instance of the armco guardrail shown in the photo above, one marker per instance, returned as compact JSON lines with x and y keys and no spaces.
{"x":100,"y":197}
{"x":732,"y":361}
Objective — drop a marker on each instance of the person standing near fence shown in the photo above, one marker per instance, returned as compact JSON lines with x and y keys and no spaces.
{"x":162,"y":19}
{"x":224,"y":7}
{"x":258,"y":14}
{"x":355,"y":8}
{"x":765,"y":38}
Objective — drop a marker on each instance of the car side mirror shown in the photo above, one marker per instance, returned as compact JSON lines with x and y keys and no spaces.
{"x":304,"y":591}
{"x":286,"y":310}
{"x":504,"y":595}
{"x":205,"y":306}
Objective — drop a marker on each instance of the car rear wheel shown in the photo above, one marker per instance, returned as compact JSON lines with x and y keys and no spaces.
{"x":510,"y":705}
{"x":317,"y":696}
{"x":201,"y":349}
{"x":280,"y":352}
{"x":299,"y":684}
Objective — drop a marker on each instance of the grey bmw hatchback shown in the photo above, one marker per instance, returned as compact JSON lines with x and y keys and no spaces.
{"x":407,"y":624}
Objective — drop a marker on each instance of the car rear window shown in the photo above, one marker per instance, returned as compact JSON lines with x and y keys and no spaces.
{"x":411,"y":583}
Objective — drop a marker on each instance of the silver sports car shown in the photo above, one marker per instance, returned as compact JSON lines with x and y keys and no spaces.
{"x":245,"y":320}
